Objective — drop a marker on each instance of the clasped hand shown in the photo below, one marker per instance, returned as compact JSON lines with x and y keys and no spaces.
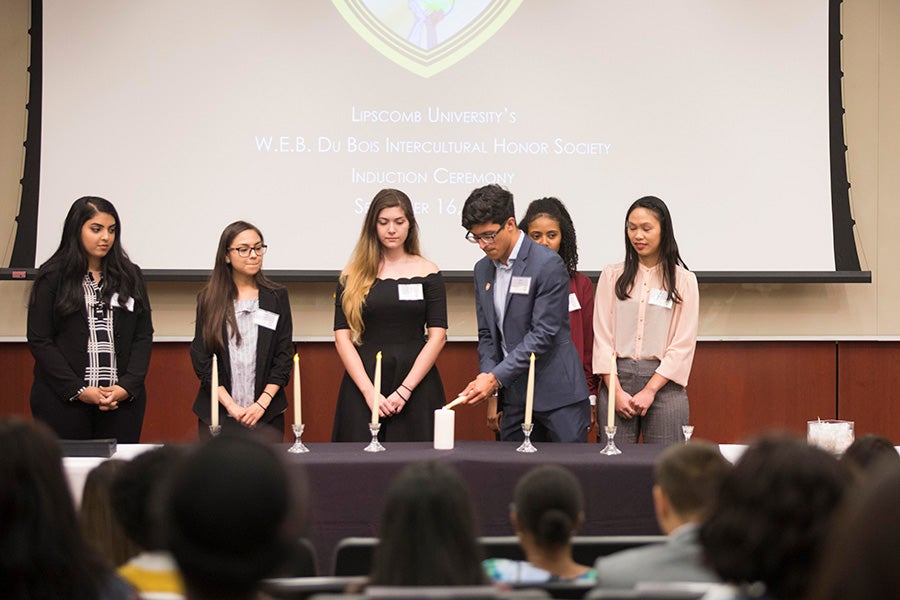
{"x":105,"y":398}
{"x":628,"y":406}
{"x":391,"y":405}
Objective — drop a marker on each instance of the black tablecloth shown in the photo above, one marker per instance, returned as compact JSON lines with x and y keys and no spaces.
{"x":347,"y":485}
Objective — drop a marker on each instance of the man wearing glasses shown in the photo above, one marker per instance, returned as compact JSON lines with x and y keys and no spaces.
{"x":522,"y":304}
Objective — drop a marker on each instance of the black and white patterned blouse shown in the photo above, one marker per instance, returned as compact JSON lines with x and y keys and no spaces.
{"x":101,"y":348}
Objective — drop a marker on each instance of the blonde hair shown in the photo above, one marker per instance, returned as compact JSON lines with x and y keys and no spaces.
{"x":362,"y":269}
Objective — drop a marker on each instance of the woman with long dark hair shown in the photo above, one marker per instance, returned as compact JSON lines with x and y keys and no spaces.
{"x":90,"y":331}
{"x":646,"y":312}
{"x":245,"y":320}
{"x":548,"y":223}
{"x":427,"y":531}
{"x":42,"y":551}
{"x":387,"y":297}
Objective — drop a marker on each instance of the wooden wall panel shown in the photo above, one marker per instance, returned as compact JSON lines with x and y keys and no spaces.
{"x":740,"y":389}
{"x":737,"y":389}
{"x":868,"y":383}
{"x":16,"y":371}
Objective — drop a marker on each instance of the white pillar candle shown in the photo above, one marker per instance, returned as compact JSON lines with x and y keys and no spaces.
{"x":298,"y":417}
{"x":529,"y":393}
{"x":611,"y":408}
{"x":214,"y":394}
{"x":444,"y":423}
{"x":377,"y":384}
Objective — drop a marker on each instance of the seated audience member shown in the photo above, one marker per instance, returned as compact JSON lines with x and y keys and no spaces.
{"x":863,"y":552}
{"x":772,"y":517}
{"x":549,"y":507}
{"x":225,"y":513}
{"x":428,"y":535}
{"x":686,"y":482}
{"x":136,"y":501}
{"x":42,"y":551}
{"x":867,"y":451}
{"x":98,"y":523}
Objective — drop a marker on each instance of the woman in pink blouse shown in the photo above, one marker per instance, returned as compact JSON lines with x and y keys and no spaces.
{"x":645,"y":314}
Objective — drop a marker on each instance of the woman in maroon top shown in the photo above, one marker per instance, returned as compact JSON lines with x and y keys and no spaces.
{"x":547,"y":222}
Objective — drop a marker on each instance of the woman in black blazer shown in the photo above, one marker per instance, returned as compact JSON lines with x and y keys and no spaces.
{"x":245,"y":320}
{"x":90,"y":331}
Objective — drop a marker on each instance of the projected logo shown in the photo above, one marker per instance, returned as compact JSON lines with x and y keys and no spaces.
{"x":426,"y":36}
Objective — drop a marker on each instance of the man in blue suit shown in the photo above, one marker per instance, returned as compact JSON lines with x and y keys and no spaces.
{"x":522,"y":304}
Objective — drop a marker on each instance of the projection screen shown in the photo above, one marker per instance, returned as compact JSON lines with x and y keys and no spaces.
{"x":292,"y":115}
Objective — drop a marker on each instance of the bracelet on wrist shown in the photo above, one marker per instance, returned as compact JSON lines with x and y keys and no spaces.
{"x":397,"y":391}
{"x":406,"y":388}
{"x":268,"y":394}
{"x":260,"y":405}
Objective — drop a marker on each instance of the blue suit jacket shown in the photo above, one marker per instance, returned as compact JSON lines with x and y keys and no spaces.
{"x":536,"y":322}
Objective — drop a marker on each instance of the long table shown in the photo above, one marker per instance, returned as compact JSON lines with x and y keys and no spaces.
{"x":347,"y":486}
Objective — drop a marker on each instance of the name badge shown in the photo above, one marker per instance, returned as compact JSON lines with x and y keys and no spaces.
{"x":520,"y":285}
{"x":574,"y":304}
{"x":265,"y":318}
{"x":410,"y":291}
{"x":660,"y":297}
{"x":114,"y":302}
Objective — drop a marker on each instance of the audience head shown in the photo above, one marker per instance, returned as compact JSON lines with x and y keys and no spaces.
{"x":137,"y":498}
{"x":428,"y":534}
{"x":548,"y":223}
{"x":868,"y":451}
{"x":42,"y":551}
{"x":99,"y":524}
{"x":862,"y":553}
{"x":686,"y":483}
{"x":549,"y":506}
{"x":226,"y":511}
{"x":773,"y":514}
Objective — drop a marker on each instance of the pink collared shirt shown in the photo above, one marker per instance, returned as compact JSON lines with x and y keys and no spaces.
{"x":640,"y":328}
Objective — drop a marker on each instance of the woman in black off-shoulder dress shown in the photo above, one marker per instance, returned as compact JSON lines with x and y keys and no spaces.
{"x":389,"y":299}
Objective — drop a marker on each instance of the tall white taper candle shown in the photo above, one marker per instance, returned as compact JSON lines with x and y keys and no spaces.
{"x":613,"y":377}
{"x":214,"y":394}
{"x":298,"y":417}
{"x":377,"y":384}
{"x":529,"y":393}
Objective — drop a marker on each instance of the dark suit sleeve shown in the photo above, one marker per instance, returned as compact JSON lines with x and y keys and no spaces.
{"x":283,"y":349}
{"x":41,"y":335}
{"x":551,"y":306}
{"x":201,"y":359}
{"x":141,"y":346}
{"x":487,"y":349}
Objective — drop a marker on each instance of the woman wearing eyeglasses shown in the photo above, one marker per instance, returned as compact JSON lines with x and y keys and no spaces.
{"x":245,"y":320}
{"x":388,"y":297}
